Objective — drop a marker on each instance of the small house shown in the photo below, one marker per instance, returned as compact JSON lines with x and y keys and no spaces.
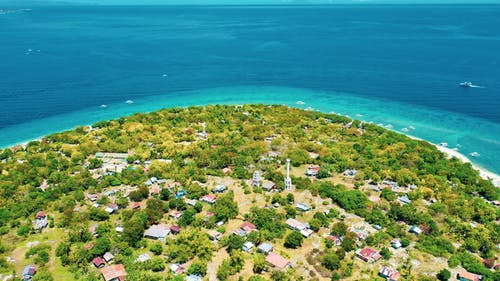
{"x":248,"y":227}
{"x":368,"y":254}
{"x":208,"y":215}
{"x":247,"y":246}
{"x":90,"y":246}
{"x":98,"y":262}
{"x":108,"y":257}
{"x":177,"y":269}
{"x":143,"y":258}
{"x":388,"y":273}
{"x":277,"y":261}
{"x":268,"y":185}
{"x":295,"y":224}
{"x":214,"y":235}
{"x":349,"y":173}
{"x":306,"y":232}
{"x":157,"y":231}
{"x":93,"y":229}
{"x":181,"y":193}
{"x":210,"y":198}
{"x":416,"y":230}
{"x":404,"y":200}
{"x":302,"y":207}
{"x":265,"y":248}
{"x":220,"y":188}
{"x":396,"y":243}
{"x":335,"y":240}
{"x":40,"y":215}
{"x":193,"y":277}
{"x":176,"y":215}
{"x":312,"y":170}
{"x":360,"y":233}
{"x":111,"y":208}
{"x":191,"y":202}
{"x":28,"y":272}
{"x":175,"y":229}
{"x":467,"y":276}
{"x":245,"y":229}
{"x":114,"y":272}
{"x":41,"y":221}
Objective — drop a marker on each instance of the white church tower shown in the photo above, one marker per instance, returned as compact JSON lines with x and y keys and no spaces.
{"x":256,"y":178}
{"x":288,"y":180}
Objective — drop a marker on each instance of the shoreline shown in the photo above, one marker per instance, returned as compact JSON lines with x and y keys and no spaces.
{"x":484,"y":173}
{"x":450,"y":153}
{"x":429,"y":129}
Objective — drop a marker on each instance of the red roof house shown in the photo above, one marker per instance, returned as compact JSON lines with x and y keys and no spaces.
{"x":277,"y":260}
{"x":210,"y":198}
{"x":175,"y":229}
{"x":336,"y":240}
{"x":368,"y":254}
{"x":115,"y":272}
{"x":90,"y":245}
{"x":389,"y":273}
{"x":98,"y":262}
{"x":248,"y":227}
{"x":467,"y":276}
{"x":40,"y":215}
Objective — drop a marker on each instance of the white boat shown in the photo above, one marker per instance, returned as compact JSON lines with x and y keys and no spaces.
{"x":474,"y":154}
{"x":129,"y":102}
{"x":469,"y":85}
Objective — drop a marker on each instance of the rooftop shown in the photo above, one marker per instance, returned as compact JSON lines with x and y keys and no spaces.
{"x":115,"y":271}
{"x":277,"y":260}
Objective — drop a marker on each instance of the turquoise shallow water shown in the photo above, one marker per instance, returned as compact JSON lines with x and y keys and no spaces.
{"x":470,"y":134}
{"x":391,"y":64}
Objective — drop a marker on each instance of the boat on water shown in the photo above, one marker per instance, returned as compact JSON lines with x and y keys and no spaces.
{"x":474,"y":154}
{"x":469,"y":84}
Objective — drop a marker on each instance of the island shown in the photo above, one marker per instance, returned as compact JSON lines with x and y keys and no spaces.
{"x":243,"y":192}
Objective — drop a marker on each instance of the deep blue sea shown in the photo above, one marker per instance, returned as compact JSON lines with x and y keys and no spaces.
{"x":397,"y":65}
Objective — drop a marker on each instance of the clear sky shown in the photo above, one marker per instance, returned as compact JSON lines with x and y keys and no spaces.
{"x":244,"y":2}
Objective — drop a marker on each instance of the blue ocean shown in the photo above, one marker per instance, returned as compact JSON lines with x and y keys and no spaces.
{"x":395,"y":65}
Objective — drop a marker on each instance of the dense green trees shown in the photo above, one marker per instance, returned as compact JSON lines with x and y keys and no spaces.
{"x":268,"y":221}
{"x":189,"y":244}
{"x":293,"y":240}
{"x":133,"y":230}
{"x":444,"y":275}
{"x":65,"y":161}
{"x":225,"y":207}
{"x":331,"y":261}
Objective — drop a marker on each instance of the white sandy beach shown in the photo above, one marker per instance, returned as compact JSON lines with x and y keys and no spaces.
{"x":485,"y":174}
